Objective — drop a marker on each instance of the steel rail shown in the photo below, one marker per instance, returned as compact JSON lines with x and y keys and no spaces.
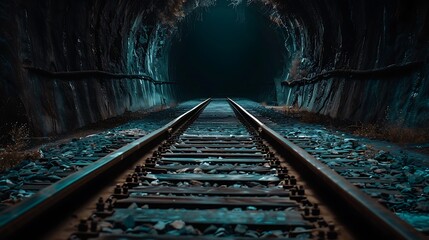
{"x":377,"y":217}
{"x":16,"y":218}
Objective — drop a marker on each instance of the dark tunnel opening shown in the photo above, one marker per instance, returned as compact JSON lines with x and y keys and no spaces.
{"x":225,"y":51}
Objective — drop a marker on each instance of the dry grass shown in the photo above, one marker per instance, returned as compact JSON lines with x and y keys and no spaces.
{"x":393,"y":133}
{"x":15,"y":152}
{"x":297,"y":71}
{"x":390,"y":132}
{"x":305,"y":116}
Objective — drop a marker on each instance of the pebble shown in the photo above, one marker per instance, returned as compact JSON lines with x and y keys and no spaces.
{"x":383,"y":156}
{"x":190,"y":230}
{"x":140,"y":229}
{"x":6,"y":182}
{"x":174,"y":233}
{"x":380,"y":170}
{"x":196,"y":183}
{"x":160,"y":225}
{"x":426,"y":189}
{"x":361,"y":148}
{"x":239,"y":228}
{"x":251,"y":233}
{"x":220,"y":232}
{"x":112,"y":230}
{"x":332,"y":164}
{"x":272,"y":234}
{"x":183,"y":170}
{"x":125,"y":222}
{"x":423,"y":206}
{"x":210,"y":229}
{"x":418,"y":177}
{"x":178,"y":224}
{"x":133,"y":206}
{"x":104,"y":224}
{"x":303,"y":236}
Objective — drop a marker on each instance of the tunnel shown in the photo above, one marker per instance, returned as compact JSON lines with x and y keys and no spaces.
{"x":218,"y":90}
{"x":361,"y":62}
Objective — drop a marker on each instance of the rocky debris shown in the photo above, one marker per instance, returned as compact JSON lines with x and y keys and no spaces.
{"x":383,"y":156}
{"x":418,"y":220}
{"x":160,"y":226}
{"x":178,"y":224}
{"x":142,"y":229}
{"x":402,"y":179}
{"x":60,"y":160}
{"x":127,"y":222}
{"x":210,"y":230}
{"x":240,"y":229}
{"x":180,"y":228}
{"x":251,"y":233}
{"x":220,"y":232}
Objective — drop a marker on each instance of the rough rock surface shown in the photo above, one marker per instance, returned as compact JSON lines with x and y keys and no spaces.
{"x":386,"y":40}
{"x":63,"y":36}
{"x":326,"y":35}
{"x":125,"y":37}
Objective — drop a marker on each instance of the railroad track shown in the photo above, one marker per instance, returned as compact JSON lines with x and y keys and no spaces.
{"x":214,"y":172}
{"x":58,"y":160}
{"x":390,"y":178}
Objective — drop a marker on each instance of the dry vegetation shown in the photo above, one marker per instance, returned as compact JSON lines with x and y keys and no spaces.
{"x":17,"y":150}
{"x":305,"y":116}
{"x":391,"y":132}
{"x":296,"y":71}
{"x":12,"y":154}
{"x":171,"y":11}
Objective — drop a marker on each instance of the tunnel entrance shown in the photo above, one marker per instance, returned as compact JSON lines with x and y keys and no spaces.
{"x":226,"y":51}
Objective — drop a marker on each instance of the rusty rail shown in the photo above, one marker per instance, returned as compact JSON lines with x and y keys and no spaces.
{"x":23,"y":214}
{"x":373,"y":215}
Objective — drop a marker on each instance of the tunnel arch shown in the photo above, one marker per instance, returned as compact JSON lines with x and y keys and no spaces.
{"x":329,"y":43}
{"x":325,"y":42}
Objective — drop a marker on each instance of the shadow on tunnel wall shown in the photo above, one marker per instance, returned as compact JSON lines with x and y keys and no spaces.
{"x":226,"y":51}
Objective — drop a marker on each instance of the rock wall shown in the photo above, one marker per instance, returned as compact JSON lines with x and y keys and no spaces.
{"x":64,"y":36}
{"x":326,"y":35}
{"x":11,"y":106}
{"x":367,"y":36}
{"x":126,"y":37}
